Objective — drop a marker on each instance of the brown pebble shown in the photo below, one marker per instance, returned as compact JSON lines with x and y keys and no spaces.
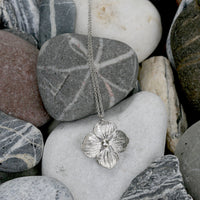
{"x":19,"y":94}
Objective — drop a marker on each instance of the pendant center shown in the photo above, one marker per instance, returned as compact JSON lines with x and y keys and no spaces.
{"x":105,"y":143}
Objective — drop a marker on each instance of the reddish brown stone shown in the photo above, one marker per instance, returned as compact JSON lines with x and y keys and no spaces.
{"x":19,"y":94}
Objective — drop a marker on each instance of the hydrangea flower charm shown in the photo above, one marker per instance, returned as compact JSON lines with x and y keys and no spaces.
{"x":104,"y":144}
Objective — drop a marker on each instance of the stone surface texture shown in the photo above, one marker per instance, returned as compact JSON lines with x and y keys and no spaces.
{"x":161,"y":180}
{"x":142,"y":117}
{"x":20,"y":14}
{"x":156,"y":76}
{"x":21,"y":144}
{"x":122,"y":20}
{"x":185,"y":46}
{"x":29,"y":38}
{"x":56,"y":17}
{"x":19,"y":94}
{"x":34,"y":188}
{"x":187,"y":151}
{"x":183,"y":5}
{"x":64,"y":77}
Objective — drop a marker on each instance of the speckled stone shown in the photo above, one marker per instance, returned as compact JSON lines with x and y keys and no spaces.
{"x":156,"y":76}
{"x":187,"y":151}
{"x":182,"y":6}
{"x":64,"y":77}
{"x":20,"y":14}
{"x":142,"y":117}
{"x":56,"y":17}
{"x":34,"y":188}
{"x":29,"y":38}
{"x":161,"y":180}
{"x":21,"y":144}
{"x":185,"y":44}
{"x":19,"y":94}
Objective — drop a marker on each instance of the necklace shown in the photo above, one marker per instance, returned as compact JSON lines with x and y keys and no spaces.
{"x":105,"y":142}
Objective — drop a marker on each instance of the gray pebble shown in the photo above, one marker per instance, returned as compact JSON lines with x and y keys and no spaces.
{"x":161,"y":180}
{"x":64,"y":77}
{"x":56,"y":17}
{"x":20,"y":14}
{"x":34,"y":188}
{"x":21,"y":144}
{"x":187,"y":151}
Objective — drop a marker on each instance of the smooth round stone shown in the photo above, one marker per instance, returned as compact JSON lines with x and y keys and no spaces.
{"x":21,"y":144}
{"x":64,"y":76}
{"x":156,"y":76}
{"x":34,"y":187}
{"x":56,"y":17}
{"x":29,"y":38}
{"x":144,"y":120}
{"x":185,"y":46}
{"x":187,"y":151}
{"x":161,"y":180}
{"x":19,"y":94}
{"x":20,"y":14}
{"x":122,"y":20}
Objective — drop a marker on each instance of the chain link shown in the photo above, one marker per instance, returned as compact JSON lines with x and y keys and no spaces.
{"x":92,"y":67}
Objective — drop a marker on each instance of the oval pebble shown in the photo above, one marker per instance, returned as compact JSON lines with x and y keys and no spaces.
{"x":34,"y":188}
{"x":19,"y":93}
{"x":21,"y":144}
{"x":64,"y":77}
{"x":142,"y":117}
{"x":134,"y":22}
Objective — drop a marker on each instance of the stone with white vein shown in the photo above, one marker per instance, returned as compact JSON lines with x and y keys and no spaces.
{"x":21,"y":144}
{"x":134,"y":22}
{"x":142,"y":117}
{"x":56,"y":17}
{"x":34,"y":188}
{"x":20,"y":14}
{"x":161,"y":180}
{"x":64,"y":77}
{"x":156,"y":76}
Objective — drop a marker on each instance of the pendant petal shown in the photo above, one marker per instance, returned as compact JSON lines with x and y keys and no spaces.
{"x":119,"y":141}
{"x":104,"y":129}
{"x":91,"y":146}
{"x":108,"y":158}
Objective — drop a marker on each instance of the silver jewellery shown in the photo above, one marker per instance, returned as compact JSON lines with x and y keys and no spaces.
{"x":105,"y":142}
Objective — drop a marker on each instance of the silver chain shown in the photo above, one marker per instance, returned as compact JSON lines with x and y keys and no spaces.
{"x":92,"y":67}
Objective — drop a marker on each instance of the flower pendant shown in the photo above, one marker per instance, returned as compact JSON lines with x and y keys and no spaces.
{"x":105,"y":143}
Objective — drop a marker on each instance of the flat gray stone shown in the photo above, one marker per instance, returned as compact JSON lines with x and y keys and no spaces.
{"x":188,"y":151}
{"x":161,"y":180}
{"x":20,"y":14}
{"x":34,"y":188}
{"x":21,"y":144}
{"x":64,"y":77}
{"x":56,"y":17}
{"x":29,"y":38}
